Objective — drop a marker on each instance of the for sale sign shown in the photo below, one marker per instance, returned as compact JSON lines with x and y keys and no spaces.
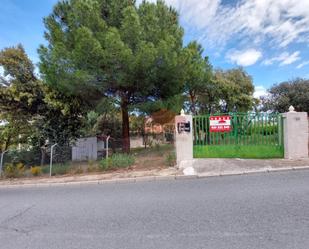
{"x":220,"y":123}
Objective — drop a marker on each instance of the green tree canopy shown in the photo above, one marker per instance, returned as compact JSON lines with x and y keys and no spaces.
{"x":282,"y":96}
{"x":31,"y":109}
{"x":114,"y":49}
{"x":197,"y":76}
{"x":235,"y":90}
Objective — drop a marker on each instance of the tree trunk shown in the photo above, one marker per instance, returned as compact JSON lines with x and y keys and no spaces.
{"x":125,"y":125}
{"x":43,"y":152}
{"x":7,"y":143}
{"x":192,"y":98}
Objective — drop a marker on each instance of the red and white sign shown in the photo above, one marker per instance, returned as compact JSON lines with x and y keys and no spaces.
{"x":220,"y":123}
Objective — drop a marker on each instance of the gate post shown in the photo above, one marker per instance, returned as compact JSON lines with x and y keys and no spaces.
{"x":295,"y":130}
{"x":184,"y":141}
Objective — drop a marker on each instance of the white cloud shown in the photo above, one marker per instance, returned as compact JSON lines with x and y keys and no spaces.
{"x":281,"y":22}
{"x":284,"y":59}
{"x":259,"y":92}
{"x":245,"y":57}
{"x":302,"y":64}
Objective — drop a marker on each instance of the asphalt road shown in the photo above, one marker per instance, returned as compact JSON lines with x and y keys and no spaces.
{"x":251,"y":211}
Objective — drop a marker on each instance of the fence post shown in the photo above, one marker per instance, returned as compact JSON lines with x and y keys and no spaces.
{"x":184,"y":142}
{"x":107,"y":146}
{"x":295,"y":129}
{"x":51,"y":160}
{"x":1,"y":161}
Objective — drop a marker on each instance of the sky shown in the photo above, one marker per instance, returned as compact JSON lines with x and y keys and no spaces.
{"x":268,"y":38}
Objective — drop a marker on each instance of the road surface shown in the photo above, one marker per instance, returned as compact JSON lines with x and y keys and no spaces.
{"x":249,"y":211}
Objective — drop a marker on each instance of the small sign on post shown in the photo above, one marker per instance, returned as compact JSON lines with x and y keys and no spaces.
{"x":220,"y":123}
{"x":182,"y":124}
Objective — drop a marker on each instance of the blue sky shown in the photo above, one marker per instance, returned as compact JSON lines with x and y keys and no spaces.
{"x":269,"y":38}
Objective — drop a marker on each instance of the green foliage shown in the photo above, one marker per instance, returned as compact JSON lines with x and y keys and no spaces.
{"x":60,"y":169}
{"x":45,"y":169}
{"x":170,"y":159}
{"x":198,"y":74}
{"x":219,"y":91}
{"x":114,"y":48}
{"x":262,"y":129}
{"x":285,"y":94}
{"x":33,"y":111}
{"x":235,"y":91}
{"x":27,"y":157}
{"x":57,"y":169}
{"x":117,"y":161}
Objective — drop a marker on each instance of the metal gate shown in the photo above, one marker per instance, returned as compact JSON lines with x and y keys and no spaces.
{"x":248,"y":135}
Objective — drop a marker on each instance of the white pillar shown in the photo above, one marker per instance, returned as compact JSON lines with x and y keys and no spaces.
{"x":184,"y":140}
{"x":295,"y":130}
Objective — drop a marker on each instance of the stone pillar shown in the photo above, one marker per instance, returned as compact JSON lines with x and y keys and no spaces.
{"x":295,"y":130}
{"x":184,"y":141}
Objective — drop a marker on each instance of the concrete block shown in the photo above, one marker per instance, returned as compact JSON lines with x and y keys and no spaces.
{"x":295,"y":130}
{"x":184,"y":141}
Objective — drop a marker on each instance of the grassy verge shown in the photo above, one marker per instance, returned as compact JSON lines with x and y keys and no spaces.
{"x":234,"y":151}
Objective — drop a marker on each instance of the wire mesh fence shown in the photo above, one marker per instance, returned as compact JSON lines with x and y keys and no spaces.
{"x":39,"y":156}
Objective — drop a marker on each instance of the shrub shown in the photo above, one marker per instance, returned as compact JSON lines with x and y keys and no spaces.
{"x":60,"y":169}
{"x":20,"y":167}
{"x":36,"y":171}
{"x":263,"y":130}
{"x":13,"y":170}
{"x":26,"y":157}
{"x":117,"y":161}
{"x":170,"y":159}
{"x":45,"y":169}
{"x":57,"y":169}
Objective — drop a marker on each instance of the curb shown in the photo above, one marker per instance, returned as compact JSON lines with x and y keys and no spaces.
{"x":269,"y":170}
{"x":148,"y":178}
{"x":96,"y":182}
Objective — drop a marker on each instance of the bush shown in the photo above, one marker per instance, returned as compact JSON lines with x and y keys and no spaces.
{"x":21,"y":167}
{"x":45,"y":169}
{"x":117,"y":161}
{"x":26,"y":157}
{"x":13,"y":170}
{"x":263,"y":130}
{"x":170,"y":159}
{"x":60,"y":169}
{"x":36,"y":171}
{"x":57,"y":169}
